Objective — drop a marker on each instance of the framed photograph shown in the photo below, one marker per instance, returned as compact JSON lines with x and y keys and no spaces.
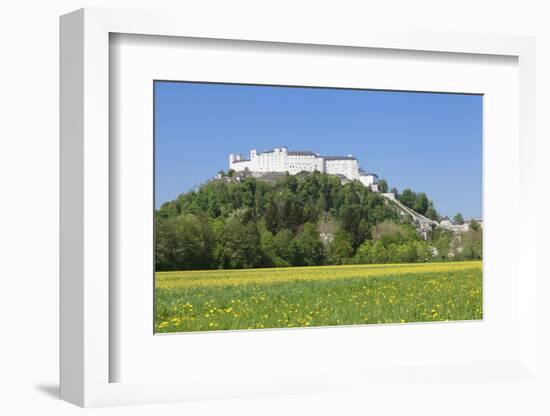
{"x":269,"y":211}
{"x":283,"y":238}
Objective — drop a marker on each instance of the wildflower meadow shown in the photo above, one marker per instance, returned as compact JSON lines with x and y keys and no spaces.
{"x":317,"y":296}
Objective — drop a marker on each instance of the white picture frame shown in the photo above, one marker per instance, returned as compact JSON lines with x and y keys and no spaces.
{"x":86,"y":167}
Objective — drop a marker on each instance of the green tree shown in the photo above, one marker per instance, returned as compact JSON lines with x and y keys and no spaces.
{"x":382,"y":185}
{"x":363,"y":254}
{"x":378,"y":253}
{"x":441,"y":240}
{"x":165,"y":243}
{"x":350,"y":218}
{"x":168,"y":210}
{"x":472,"y":245}
{"x":268,"y":249}
{"x":389,"y":232}
{"x":341,"y":248}
{"x":193,"y":242}
{"x":412,"y":252}
{"x":239,"y":246}
{"x":458,"y":219}
{"x":309,"y":246}
{"x":272,"y":217}
{"x":431,"y":212}
{"x":408,"y":198}
{"x":474,"y":225}
{"x":286,"y":248}
{"x":421,"y":203}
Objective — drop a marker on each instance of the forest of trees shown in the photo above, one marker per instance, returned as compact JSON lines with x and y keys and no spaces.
{"x":297,"y":220}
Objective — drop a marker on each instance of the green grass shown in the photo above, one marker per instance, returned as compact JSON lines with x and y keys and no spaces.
{"x":317,"y":296}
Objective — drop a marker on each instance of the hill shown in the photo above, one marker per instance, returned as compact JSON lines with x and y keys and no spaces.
{"x":294,"y":220}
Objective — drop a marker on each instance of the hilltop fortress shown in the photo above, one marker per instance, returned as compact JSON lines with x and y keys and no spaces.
{"x":280,"y":160}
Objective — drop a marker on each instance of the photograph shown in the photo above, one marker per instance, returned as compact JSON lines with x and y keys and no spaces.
{"x":297,"y":206}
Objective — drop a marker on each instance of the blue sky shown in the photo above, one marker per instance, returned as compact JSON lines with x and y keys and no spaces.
{"x":424,"y":141}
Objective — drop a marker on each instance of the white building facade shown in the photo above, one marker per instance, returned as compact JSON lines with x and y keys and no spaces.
{"x":280,"y":159}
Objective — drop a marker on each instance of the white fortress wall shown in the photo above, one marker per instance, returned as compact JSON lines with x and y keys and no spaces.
{"x":238,"y":163}
{"x":320,"y":164}
{"x":270,"y":161}
{"x":301,"y":161}
{"x":368,"y":179}
{"x":345,"y":166}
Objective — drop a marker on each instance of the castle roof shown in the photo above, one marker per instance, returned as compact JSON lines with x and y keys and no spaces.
{"x":339,"y":157}
{"x":301,"y":153}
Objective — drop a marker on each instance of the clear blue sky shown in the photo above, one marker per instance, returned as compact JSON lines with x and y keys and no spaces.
{"x":427,"y":142}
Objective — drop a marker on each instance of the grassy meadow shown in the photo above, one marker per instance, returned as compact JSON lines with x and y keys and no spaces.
{"x":317,"y":296}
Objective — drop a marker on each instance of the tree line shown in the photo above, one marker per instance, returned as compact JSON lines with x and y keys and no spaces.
{"x":297,"y":220}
